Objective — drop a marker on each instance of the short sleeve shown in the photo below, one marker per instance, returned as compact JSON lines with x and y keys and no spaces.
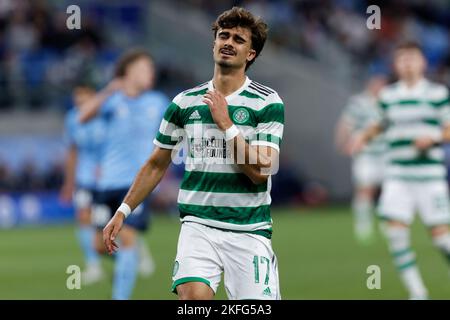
{"x":170,"y":129}
{"x":269,"y":131}
{"x":69,"y":127}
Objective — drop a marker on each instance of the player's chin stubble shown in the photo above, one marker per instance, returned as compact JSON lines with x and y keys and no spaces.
{"x":227,"y":64}
{"x":224,"y":64}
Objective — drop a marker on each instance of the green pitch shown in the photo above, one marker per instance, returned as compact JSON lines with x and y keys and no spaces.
{"x":318,"y":259}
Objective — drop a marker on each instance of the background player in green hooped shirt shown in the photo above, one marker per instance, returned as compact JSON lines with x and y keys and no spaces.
{"x":233,"y":127}
{"x":415,"y":113}
{"x":367,"y":165}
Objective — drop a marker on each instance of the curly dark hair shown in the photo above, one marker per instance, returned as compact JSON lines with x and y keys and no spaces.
{"x":240,"y":17}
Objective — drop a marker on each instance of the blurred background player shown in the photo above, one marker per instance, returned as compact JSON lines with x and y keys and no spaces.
{"x":132,"y":113}
{"x":415,"y":115}
{"x":367,"y":165}
{"x":81,"y":173}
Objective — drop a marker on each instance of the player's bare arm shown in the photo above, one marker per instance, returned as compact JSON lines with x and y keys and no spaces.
{"x":343,"y":134}
{"x":259,"y":162}
{"x":68,"y":186}
{"x":425,"y":142}
{"x":146,"y":180}
{"x":360,"y":140}
{"x":90,"y":108}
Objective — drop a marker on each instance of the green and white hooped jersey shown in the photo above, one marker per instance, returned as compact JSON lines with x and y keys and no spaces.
{"x":214,"y":191}
{"x":359,"y":113}
{"x":409,"y":113}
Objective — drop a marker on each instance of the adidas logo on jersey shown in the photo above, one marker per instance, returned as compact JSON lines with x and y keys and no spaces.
{"x":267,"y":292}
{"x":195,"y":115}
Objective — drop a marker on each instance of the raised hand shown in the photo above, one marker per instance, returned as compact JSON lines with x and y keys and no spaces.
{"x":219,"y":109}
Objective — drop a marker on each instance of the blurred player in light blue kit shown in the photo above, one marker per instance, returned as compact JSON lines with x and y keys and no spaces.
{"x":84,"y":143}
{"x":132,"y":113}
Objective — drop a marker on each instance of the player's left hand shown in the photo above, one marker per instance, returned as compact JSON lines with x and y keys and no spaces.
{"x":424,"y":142}
{"x":219,"y":109}
{"x":356,"y":144}
{"x":65,"y":195}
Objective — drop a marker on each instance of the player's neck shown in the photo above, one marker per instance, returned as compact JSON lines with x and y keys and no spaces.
{"x":227,"y":82}
{"x":130,"y":90}
{"x":412,"y":81}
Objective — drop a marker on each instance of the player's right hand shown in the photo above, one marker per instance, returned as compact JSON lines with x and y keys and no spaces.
{"x":424,"y":142}
{"x":111,"y":231}
{"x":65,"y":195}
{"x":114,"y":85}
{"x":356,"y":144}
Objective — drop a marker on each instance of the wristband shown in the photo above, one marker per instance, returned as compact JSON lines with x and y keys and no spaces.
{"x":231,"y":132}
{"x":125,"y":209}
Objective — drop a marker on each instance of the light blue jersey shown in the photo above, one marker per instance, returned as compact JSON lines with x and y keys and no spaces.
{"x":88,"y":139}
{"x":132,"y":124}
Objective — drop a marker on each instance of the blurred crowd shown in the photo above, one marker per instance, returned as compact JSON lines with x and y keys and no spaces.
{"x":334,"y":31}
{"x":41,"y":59}
{"x":29,"y":177}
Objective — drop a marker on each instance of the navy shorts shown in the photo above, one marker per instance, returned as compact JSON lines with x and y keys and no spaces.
{"x":108,"y":201}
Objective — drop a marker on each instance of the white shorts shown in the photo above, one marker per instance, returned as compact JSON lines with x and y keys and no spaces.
{"x":82,"y":199}
{"x":368,"y":170}
{"x":400,"y":200}
{"x":247,"y":260}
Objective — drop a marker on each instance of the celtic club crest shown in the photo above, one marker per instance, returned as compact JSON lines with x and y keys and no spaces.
{"x":240,"y":115}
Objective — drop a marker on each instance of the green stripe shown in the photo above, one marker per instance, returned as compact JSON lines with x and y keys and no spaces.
{"x":415,"y":178}
{"x":400,"y":143}
{"x":406,"y":102}
{"x":440,"y":103}
{"x":384,"y":217}
{"x":415,"y":102}
{"x":271,"y":113}
{"x":188,"y":279}
{"x":401,"y":252}
{"x":197,"y":93}
{"x":251,"y":95}
{"x":236,"y":215}
{"x":417,"y":162}
{"x":430,"y":121}
{"x":220,"y":182}
{"x":206,"y":117}
{"x":433,"y":122}
{"x":407,"y":265}
{"x":268,"y":137}
{"x":166,"y":139}
{"x":172,"y":114}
